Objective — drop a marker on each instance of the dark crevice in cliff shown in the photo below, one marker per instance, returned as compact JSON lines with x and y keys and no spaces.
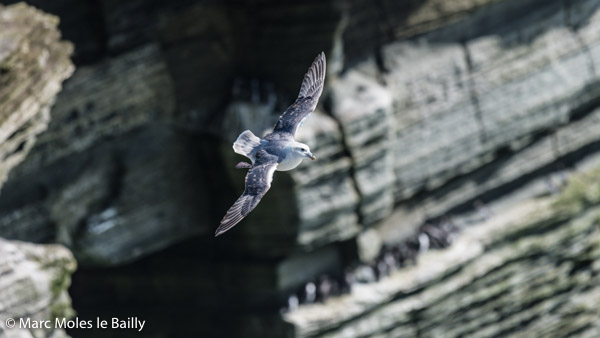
{"x":478,"y":114}
{"x":568,"y":160}
{"x":380,"y":63}
{"x":583,"y":265}
{"x":19,"y":131}
{"x":580,"y":330}
{"x":348,"y":153}
{"x":590,"y":92}
{"x":16,"y":150}
{"x":536,"y":229}
{"x":386,"y":27}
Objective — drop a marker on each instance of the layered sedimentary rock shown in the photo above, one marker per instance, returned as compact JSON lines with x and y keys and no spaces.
{"x":483,"y":101}
{"x":400,"y":130}
{"x":33,"y":64}
{"x":532,"y":271}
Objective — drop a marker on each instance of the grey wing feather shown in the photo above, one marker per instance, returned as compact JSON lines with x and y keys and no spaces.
{"x":312,"y":85}
{"x":258,"y":182}
{"x":310,"y":91}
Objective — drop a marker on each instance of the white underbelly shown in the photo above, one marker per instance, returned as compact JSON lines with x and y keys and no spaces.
{"x":289,"y":163}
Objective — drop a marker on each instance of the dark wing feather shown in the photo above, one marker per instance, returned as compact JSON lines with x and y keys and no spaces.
{"x":258,"y":182}
{"x":310,"y":91}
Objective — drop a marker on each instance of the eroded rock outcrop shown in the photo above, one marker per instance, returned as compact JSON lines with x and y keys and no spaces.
{"x":33,"y":64}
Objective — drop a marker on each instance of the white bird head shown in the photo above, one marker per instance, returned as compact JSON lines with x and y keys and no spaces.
{"x":302,"y":150}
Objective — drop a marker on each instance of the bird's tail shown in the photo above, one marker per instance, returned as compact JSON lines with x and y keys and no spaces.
{"x":245,"y":143}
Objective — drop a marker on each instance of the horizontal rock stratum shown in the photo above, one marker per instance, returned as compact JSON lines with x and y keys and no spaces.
{"x":532,"y":271}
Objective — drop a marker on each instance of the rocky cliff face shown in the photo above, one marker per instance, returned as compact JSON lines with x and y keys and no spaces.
{"x":435,"y":112}
{"x":531,"y":271}
{"x":33,"y":63}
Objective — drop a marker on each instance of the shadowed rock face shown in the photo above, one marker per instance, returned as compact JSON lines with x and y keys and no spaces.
{"x":33,"y":63}
{"x":432,"y":109}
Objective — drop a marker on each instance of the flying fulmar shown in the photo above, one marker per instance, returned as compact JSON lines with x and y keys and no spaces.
{"x":278,"y":150}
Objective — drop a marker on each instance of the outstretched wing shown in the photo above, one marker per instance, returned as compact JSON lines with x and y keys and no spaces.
{"x":312,"y":87}
{"x":258,"y":182}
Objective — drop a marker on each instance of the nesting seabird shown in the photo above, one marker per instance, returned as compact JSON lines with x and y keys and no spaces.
{"x":278,"y":150}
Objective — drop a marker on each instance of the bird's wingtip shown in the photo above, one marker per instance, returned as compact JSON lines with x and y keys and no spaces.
{"x":219,"y":232}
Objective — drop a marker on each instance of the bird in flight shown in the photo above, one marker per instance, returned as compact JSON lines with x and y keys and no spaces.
{"x":278,"y":150}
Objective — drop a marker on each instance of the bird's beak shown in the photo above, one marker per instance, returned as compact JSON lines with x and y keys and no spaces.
{"x":312,"y":157}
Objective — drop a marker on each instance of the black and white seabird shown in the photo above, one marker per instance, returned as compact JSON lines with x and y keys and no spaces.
{"x":278,"y":150}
